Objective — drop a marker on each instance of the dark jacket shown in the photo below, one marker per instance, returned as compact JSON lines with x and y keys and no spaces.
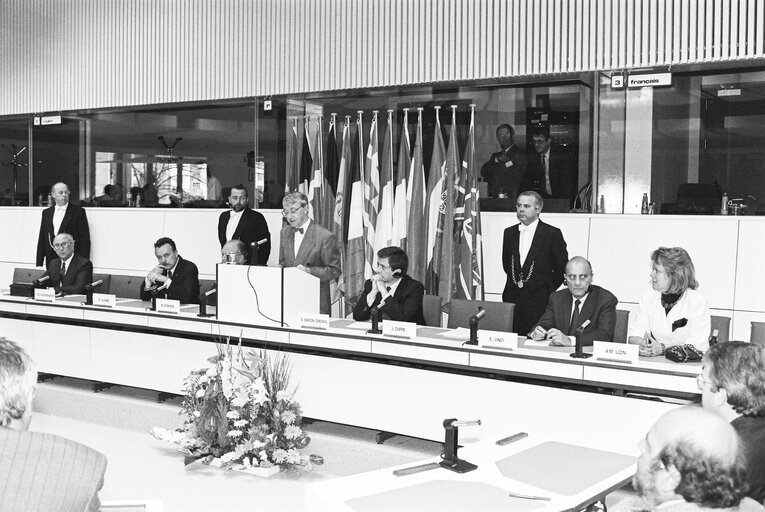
{"x":252,"y":228}
{"x":184,"y":286}
{"x":599,"y":309}
{"x":404,"y":306}
{"x":75,"y":222}
{"x":79,"y":273}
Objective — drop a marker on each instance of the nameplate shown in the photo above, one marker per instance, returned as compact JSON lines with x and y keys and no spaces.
{"x":105,"y":300}
{"x":314,"y":321}
{"x":168,"y":306}
{"x":615,"y":352}
{"x":45,"y":294}
{"x":497,"y":339}
{"x":406,"y":330}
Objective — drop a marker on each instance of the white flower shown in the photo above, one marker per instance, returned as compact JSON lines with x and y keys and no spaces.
{"x":294,"y":456}
{"x":283,"y":395}
{"x":203,"y":379}
{"x":234,"y":433}
{"x":280,"y":455}
{"x":289,"y":417}
{"x":263,"y":455}
{"x":212,"y":371}
{"x":200,"y":392}
{"x":240,"y":423}
{"x":197,"y":414}
{"x":228,"y":457}
{"x":232,"y":415}
{"x":240,"y":400}
{"x":292,"y":432}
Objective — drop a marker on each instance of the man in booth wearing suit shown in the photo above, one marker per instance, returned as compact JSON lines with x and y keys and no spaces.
{"x":309,"y":247}
{"x":39,"y":471}
{"x":567,"y":310}
{"x":534,"y":258}
{"x":504,"y":170}
{"x":550,"y":171}
{"x":397,"y":295}
{"x":245,"y":224}
{"x":173,"y":277}
{"x":69,"y":272}
{"x":63,"y":217}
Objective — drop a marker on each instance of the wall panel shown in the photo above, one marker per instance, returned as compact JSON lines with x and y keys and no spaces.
{"x":78,"y":54}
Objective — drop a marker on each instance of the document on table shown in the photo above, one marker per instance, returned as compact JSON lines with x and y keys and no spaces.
{"x":362,"y":326}
{"x":536,"y":344}
{"x":460,"y":333}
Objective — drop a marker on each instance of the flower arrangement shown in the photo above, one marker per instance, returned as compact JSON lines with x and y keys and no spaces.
{"x":240,"y":409}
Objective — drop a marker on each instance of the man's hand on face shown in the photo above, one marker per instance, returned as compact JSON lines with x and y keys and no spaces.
{"x":157,"y":275}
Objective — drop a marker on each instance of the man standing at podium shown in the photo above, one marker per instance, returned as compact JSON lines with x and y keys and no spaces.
{"x":242,"y":223}
{"x":173,"y":277}
{"x":308,"y":247}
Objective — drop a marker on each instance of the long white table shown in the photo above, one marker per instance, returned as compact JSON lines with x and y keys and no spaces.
{"x":343,"y":375}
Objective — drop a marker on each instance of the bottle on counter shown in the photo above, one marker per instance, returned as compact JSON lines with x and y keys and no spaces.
{"x":40,"y":200}
{"x":713,"y":337}
{"x":644,"y":204}
{"x":724,"y":205}
{"x":602,"y":203}
{"x":138,"y":200}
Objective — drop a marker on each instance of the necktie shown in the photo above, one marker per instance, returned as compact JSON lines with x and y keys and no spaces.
{"x":298,"y":230}
{"x":574,"y":325}
{"x":548,"y":187}
{"x":63,"y":268}
{"x":169,"y":274}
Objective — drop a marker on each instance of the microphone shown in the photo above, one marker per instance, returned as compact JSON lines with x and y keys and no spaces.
{"x":582,"y":327}
{"x":578,"y":352}
{"x":474,"y":326}
{"x":38,"y":282}
{"x":89,"y":291}
{"x":261,"y":242}
{"x":475,"y":318}
{"x":203,"y":302}
{"x":375,"y":316}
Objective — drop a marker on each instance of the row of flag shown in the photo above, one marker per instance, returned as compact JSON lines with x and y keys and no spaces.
{"x":370,"y":200}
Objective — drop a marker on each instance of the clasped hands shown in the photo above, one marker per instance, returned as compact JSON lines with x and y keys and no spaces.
{"x":649,"y":346}
{"x":378,"y":286}
{"x":157,"y":275}
{"x":556,"y":337}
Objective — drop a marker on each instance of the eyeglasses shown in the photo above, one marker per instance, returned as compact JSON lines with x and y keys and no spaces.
{"x":291,"y":211}
{"x":62,"y":245}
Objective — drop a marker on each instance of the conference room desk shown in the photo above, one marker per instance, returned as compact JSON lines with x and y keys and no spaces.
{"x":342,"y":375}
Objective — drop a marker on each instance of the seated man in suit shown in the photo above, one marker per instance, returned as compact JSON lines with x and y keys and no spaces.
{"x":309,"y":247}
{"x":39,"y":471}
{"x":567,"y":310}
{"x":397,"y":295}
{"x":173,"y":278}
{"x":70,"y":272}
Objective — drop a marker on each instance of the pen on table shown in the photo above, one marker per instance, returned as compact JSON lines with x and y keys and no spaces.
{"x":528,"y":496}
{"x":511,"y":439}
{"x":416,"y":469}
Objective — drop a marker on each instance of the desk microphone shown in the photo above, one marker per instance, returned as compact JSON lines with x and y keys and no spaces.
{"x":203,"y":302}
{"x":89,"y":291}
{"x":474,"y":326}
{"x":376,"y":314}
{"x":578,"y":353}
{"x":254,"y":249}
{"x":38,"y":282}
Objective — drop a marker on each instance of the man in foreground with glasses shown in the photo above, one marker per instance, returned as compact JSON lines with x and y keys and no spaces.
{"x":309,"y":247}
{"x":63,"y":217}
{"x":69,"y":272}
{"x":173,"y":277}
{"x":732,"y":385}
{"x":245,"y":224}
{"x":397,"y":295}
{"x":569,"y":309}
{"x":689,"y":461}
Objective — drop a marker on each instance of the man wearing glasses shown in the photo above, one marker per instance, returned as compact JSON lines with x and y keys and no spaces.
{"x":63,"y":217}
{"x":305,"y":245}
{"x":69,"y":272}
{"x":397,"y":295}
{"x":569,"y":309}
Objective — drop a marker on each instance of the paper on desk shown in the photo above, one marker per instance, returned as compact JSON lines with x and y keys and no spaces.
{"x":535,"y":344}
{"x":363,"y":326}
{"x":460,"y":333}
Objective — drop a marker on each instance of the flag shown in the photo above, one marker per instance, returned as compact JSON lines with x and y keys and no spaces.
{"x":400,"y":206}
{"x":340,"y":224}
{"x":443,"y":253}
{"x":415,"y":198}
{"x":329,"y":181}
{"x":306,"y":162}
{"x":317,"y":178}
{"x":470,"y":261}
{"x":384,"y":225}
{"x":433,"y":206}
{"x":293,"y":163}
{"x":371,"y":197}
{"x":354,"y":256}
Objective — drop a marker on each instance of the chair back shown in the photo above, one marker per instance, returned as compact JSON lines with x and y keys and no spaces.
{"x":431,"y":310}
{"x":758,"y":333}
{"x":722,"y":324}
{"x":620,"y":329}
{"x":127,"y":287}
{"x":27,"y":275}
{"x":499,"y":315}
{"x":107,"y":279}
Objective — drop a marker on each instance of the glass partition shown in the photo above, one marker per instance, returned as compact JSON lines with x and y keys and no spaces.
{"x":14,"y":161}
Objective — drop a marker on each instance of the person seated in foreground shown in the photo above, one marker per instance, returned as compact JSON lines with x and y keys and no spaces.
{"x":673,"y":312}
{"x":234,"y":252}
{"x":732,"y":384}
{"x":397,"y":295}
{"x":69,"y":272}
{"x":42,"y":472}
{"x":173,"y":277}
{"x":569,"y":309}
{"x":689,"y":461}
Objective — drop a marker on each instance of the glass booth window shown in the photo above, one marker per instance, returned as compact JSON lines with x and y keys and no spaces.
{"x":14,"y":162}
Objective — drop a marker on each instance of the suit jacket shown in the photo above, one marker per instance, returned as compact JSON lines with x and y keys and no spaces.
{"x":47,"y":472}
{"x":404,"y":306}
{"x":504,"y":177}
{"x":75,"y":222}
{"x":563,"y":179}
{"x":252,"y":228}
{"x":79,"y":273}
{"x":599,"y":309}
{"x":319,"y":252}
{"x":184,"y":286}
{"x":547,"y":253}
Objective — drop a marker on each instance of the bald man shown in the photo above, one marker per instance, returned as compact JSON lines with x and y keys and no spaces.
{"x":690,"y":462}
{"x":569,"y":309}
{"x":63,"y":217}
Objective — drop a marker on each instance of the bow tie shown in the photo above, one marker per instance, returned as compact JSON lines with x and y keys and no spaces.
{"x":299,"y":230}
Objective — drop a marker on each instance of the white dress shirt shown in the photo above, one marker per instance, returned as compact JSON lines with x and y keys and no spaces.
{"x":58,"y":217}
{"x":526,"y":237}
{"x":299,"y":236}
{"x":233,"y":222}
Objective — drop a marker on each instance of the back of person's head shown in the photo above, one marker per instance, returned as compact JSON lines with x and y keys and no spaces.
{"x":680,"y":270}
{"x":163,"y":241}
{"x":397,"y":259}
{"x":738,"y":367}
{"x":18,"y":378}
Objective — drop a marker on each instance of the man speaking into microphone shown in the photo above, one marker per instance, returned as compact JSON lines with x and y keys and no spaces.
{"x":173,"y":277}
{"x":391,"y":291}
{"x":582,"y":309}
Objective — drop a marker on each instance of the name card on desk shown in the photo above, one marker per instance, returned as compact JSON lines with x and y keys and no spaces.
{"x":168,"y":306}
{"x":497,"y":339}
{"x":314,"y":321}
{"x":406,"y":330}
{"x":615,"y":352}
{"x":105,"y":300}
{"x":45,"y":294}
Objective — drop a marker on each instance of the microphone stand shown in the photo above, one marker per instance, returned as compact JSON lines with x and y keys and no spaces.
{"x":153,"y":300}
{"x":578,"y":352}
{"x":376,"y":317}
{"x":474,"y":327}
{"x":203,"y":306}
{"x":451,"y":444}
{"x":89,"y":292}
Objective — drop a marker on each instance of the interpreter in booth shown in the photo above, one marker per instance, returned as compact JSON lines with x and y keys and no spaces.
{"x":672,"y":312}
{"x":309,"y":247}
{"x":504,"y":170}
{"x":550,"y":170}
{"x":580,"y":303}
{"x":70,"y":273}
{"x":391,"y":290}
{"x":173,"y":277}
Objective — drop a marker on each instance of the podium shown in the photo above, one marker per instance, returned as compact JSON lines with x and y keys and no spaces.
{"x":268,"y":296}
